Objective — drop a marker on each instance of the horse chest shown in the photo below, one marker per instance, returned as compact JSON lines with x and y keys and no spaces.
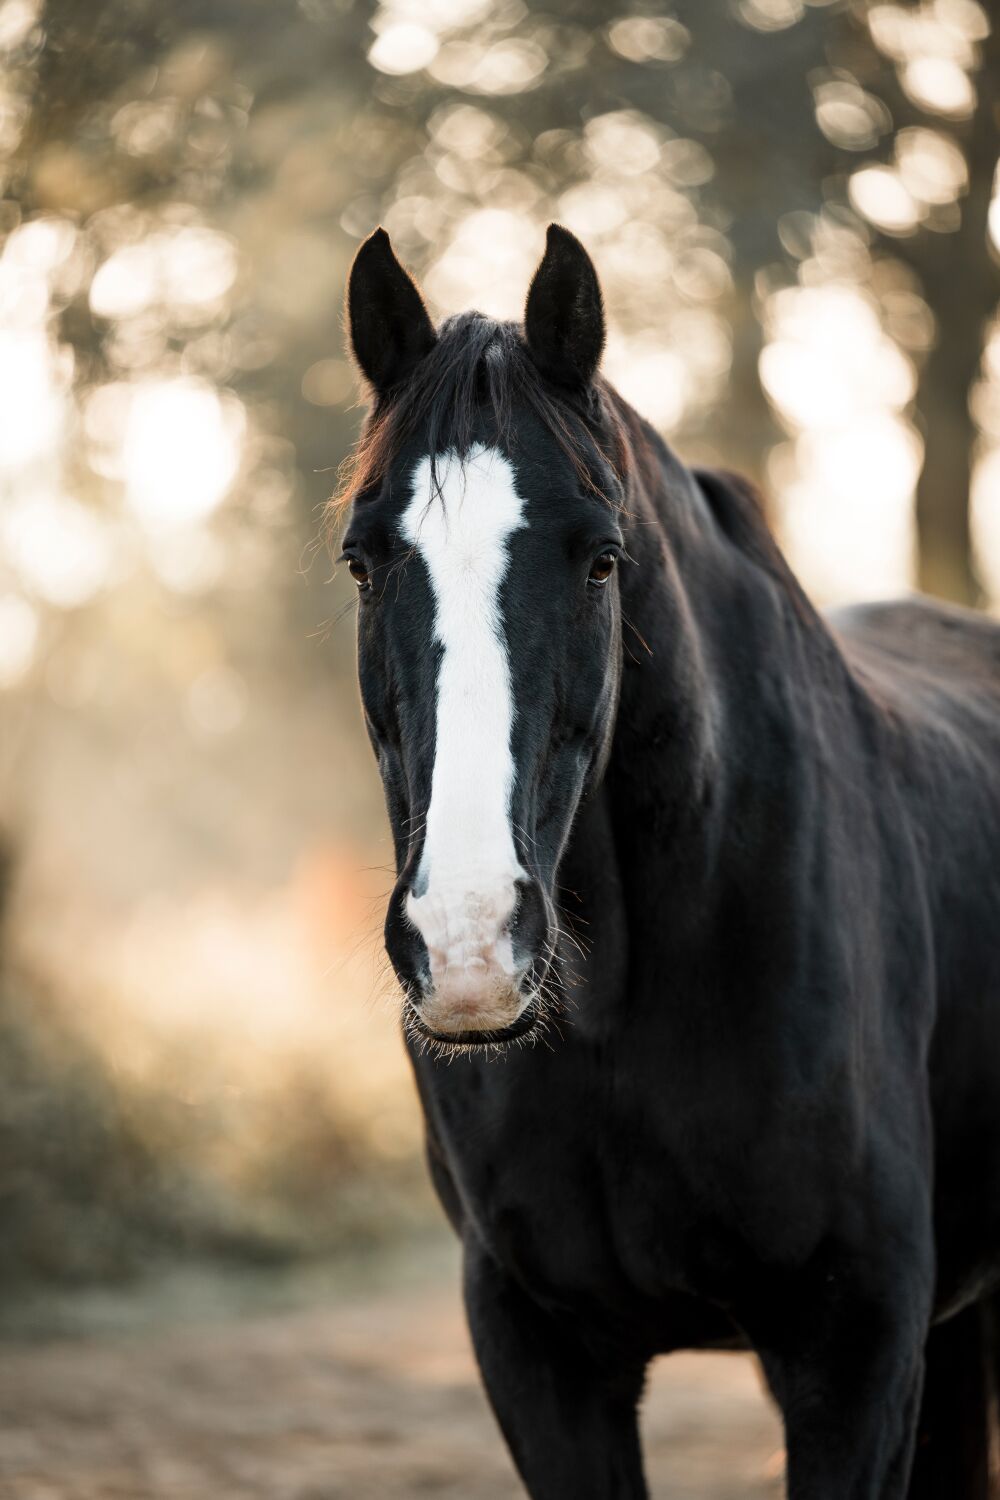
{"x":591,"y":1208}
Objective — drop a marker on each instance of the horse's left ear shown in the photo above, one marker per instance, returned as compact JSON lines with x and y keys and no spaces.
{"x":564,"y":313}
{"x":390,"y":330}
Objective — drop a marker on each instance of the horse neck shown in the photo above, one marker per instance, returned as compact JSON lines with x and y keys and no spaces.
{"x":730,"y":681}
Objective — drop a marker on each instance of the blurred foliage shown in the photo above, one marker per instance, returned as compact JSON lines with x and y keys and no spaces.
{"x":83,"y":1193}
{"x":102,"y":1179}
{"x":793,"y":208}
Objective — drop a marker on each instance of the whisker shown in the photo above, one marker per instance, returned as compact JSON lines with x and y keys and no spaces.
{"x":639,"y":637}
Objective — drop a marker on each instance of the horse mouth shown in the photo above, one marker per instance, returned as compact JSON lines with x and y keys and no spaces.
{"x":476,"y":1036}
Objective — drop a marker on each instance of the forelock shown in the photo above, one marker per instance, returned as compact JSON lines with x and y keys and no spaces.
{"x":478,"y":372}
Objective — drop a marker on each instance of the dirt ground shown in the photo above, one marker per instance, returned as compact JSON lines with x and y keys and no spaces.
{"x":362,"y":1396}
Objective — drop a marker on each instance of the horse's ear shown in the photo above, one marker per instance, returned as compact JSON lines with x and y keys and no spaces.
{"x":564,"y":313}
{"x":389,"y":329}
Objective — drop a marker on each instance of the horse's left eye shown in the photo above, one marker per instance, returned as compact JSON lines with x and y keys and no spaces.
{"x":358,"y":572}
{"x":602,"y":568}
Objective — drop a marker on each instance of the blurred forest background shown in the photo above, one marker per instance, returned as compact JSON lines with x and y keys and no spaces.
{"x":793,"y":209}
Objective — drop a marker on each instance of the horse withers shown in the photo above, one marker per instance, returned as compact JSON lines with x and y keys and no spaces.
{"x":696,"y":918}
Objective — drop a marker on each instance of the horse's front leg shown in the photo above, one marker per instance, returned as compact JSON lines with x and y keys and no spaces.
{"x":847,"y":1372}
{"x":571,"y":1424}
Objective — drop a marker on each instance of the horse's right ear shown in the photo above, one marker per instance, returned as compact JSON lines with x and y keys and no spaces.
{"x":389,"y":329}
{"x":564,"y":313}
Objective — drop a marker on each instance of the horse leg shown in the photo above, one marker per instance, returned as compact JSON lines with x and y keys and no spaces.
{"x":571,"y":1424}
{"x":848,"y":1378}
{"x":953,"y":1434}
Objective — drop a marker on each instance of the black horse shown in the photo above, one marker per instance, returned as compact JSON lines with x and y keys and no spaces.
{"x":697,"y":915}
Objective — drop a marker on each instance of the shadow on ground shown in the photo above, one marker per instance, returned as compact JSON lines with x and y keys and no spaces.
{"x":361,"y":1392}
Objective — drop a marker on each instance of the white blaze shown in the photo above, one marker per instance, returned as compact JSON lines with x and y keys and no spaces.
{"x":464,"y":891}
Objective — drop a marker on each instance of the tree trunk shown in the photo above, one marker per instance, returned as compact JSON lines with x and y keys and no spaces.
{"x":962,"y":285}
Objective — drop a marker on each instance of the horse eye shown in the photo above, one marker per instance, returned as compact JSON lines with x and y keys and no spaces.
{"x":359,"y":572}
{"x":602,"y":568}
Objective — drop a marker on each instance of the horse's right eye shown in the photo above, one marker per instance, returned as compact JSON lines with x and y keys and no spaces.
{"x":359,"y":572}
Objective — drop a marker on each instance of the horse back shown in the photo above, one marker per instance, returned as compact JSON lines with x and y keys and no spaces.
{"x":926,"y":661}
{"x":928,"y":677}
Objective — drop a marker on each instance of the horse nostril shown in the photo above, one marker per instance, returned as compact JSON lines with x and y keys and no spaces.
{"x":529,"y":927}
{"x":404,"y":945}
